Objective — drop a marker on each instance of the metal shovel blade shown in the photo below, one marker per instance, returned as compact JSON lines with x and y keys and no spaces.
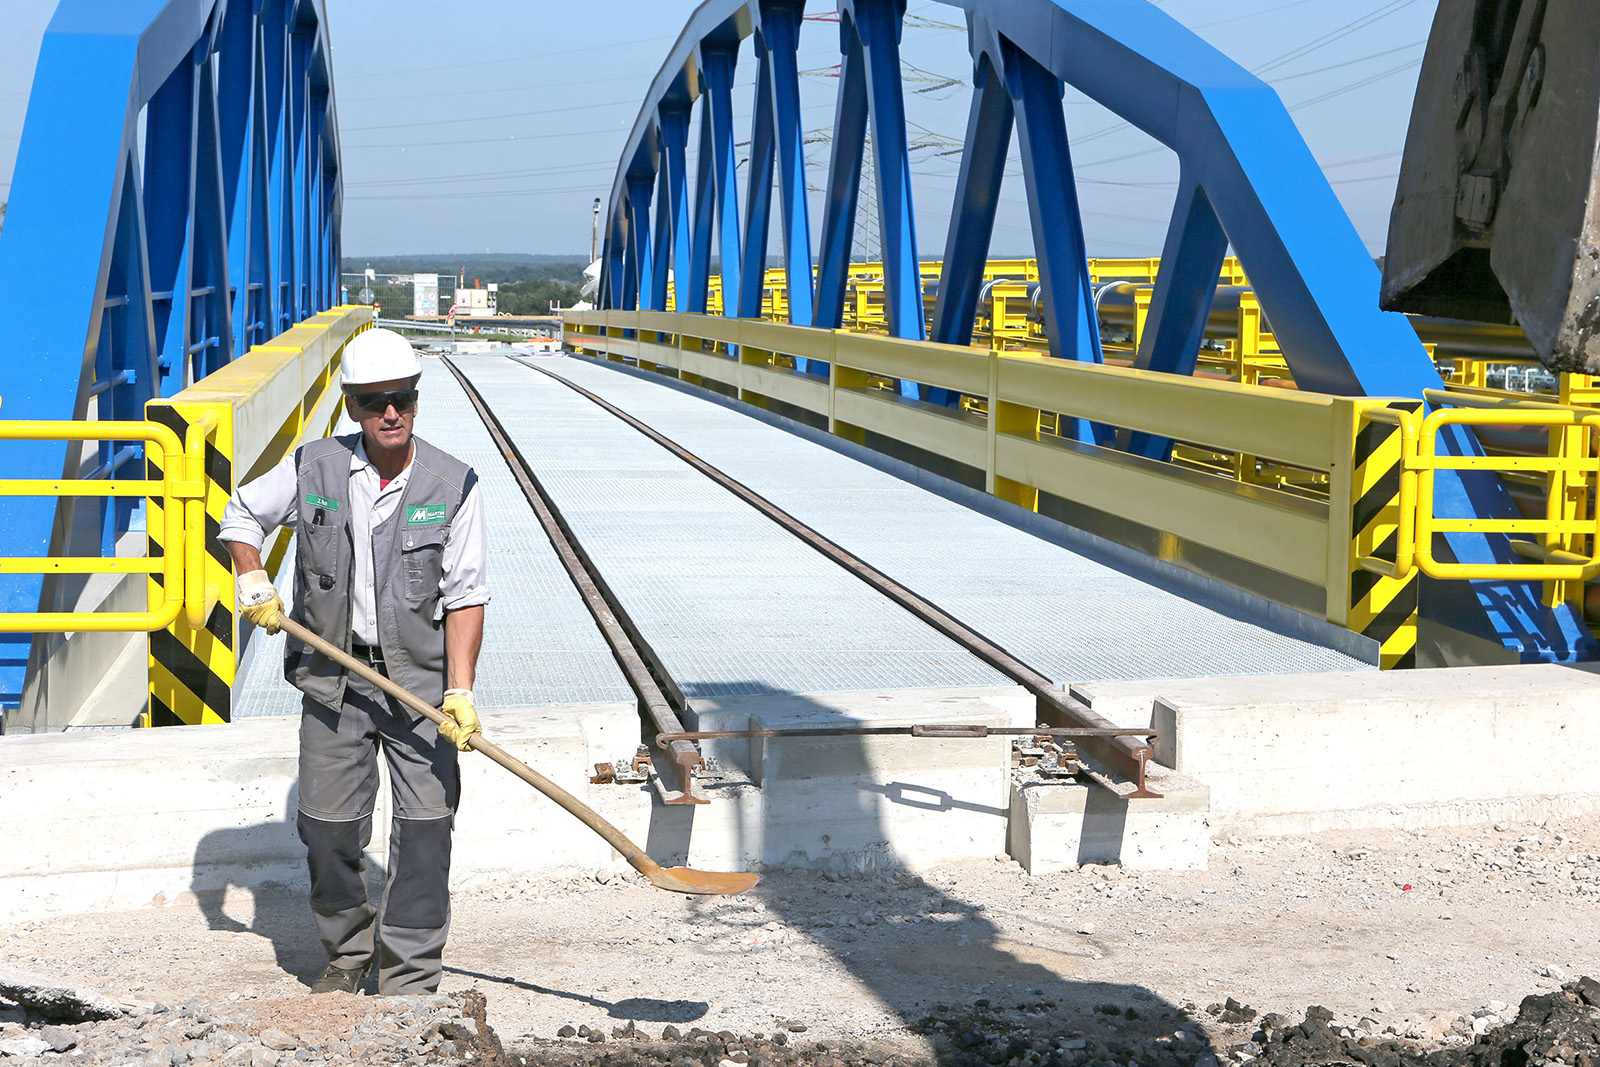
{"x":701,"y":883}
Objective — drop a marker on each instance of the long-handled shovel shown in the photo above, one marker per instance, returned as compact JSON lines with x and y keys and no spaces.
{"x":677,"y":879}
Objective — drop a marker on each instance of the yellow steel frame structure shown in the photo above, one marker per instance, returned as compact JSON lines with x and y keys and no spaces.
{"x":248,"y":416}
{"x":1563,"y":546}
{"x":181,"y":484}
{"x":1341,"y":519}
{"x":226,"y":428}
{"x":1006,"y":435}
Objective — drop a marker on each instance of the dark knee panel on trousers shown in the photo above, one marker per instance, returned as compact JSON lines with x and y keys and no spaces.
{"x":419,"y":874}
{"x":333,"y":852}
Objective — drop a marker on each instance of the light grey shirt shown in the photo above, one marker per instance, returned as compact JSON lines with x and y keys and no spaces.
{"x":272,"y":500}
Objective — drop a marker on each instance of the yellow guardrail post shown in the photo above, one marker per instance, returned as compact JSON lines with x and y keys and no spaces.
{"x":1012,"y":420}
{"x":191,"y":660}
{"x":1372,"y":585}
{"x":1566,"y":527}
{"x":235,"y":424}
{"x":163,"y":493}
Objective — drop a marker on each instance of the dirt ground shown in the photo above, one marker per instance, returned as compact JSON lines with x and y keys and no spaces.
{"x":1404,"y":932}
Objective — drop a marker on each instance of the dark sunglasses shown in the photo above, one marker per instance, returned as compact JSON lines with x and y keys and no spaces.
{"x":404,"y":400}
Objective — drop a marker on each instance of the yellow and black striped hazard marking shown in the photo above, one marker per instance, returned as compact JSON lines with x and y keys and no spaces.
{"x":192,"y":671}
{"x":1384,"y":609}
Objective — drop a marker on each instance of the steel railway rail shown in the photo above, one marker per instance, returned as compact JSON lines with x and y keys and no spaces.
{"x":1113,"y":757}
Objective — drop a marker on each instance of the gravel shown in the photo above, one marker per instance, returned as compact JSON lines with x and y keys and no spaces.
{"x":1414,"y":943}
{"x":333,"y":1030}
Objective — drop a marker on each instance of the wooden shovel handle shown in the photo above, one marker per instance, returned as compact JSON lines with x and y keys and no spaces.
{"x":588,"y":816}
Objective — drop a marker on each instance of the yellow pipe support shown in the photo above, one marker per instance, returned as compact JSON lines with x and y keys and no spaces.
{"x":1410,"y":423}
{"x":1569,"y":566}
{"x":163,"y":610}
{"x":199,"y":596}
{"x":75,"y":487}
{"x":80,"y":565}
{"x":1304,"y":440}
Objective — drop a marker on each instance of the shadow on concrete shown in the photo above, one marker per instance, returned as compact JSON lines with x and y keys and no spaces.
{"x":931,"y":957}
{"x":639,"y":1009}
{"x":228,"y":866}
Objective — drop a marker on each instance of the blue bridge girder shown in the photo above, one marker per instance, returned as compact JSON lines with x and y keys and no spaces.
{"x":1247,"y":179}
{"x":172,"y":250}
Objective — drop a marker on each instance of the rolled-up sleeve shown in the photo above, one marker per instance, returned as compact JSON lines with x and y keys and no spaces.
{"x":261,"y":506}
{"x":464,"y":582}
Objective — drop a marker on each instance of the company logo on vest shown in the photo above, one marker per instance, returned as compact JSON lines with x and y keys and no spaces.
{"x":425,"y":514}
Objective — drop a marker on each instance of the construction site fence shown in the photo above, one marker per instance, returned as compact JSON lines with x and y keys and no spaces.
{"x":224,"y":430}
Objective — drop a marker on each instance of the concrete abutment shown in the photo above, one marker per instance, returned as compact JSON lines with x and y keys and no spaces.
{"x":116,"y":820}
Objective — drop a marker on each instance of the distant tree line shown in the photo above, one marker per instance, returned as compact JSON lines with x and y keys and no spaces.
{"x":528,"y":284}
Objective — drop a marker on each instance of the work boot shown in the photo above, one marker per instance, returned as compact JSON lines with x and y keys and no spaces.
{"x":338,"y":980}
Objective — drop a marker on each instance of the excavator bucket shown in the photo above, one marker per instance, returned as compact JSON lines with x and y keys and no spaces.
{"x":1495,"y":216}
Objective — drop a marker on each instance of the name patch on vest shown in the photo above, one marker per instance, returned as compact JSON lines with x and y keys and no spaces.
{"x":313,"y":500}
{"x":425,"y":514}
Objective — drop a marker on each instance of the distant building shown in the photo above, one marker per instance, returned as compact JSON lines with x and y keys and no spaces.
{"x":477,"y":303}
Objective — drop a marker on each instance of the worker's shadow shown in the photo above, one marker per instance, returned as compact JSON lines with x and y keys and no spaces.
{"x":259,"y":871}
{"x":926,"y":949}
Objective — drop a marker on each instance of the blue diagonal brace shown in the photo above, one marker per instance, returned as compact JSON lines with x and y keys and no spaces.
{"x":844,"y":179}
{"x":674,"y":152}
{"x":983,"y":164}
{"x":878,"y":22}
{"x":636,"y":264}
{"x":661,"y":243}
{"x":692,"y":290}
{"x":780,"y":30}
{"x":1181,"y":303}
{"x":1058,"y":240}
{"x":758,"y":198}
{"x":717,"y":64}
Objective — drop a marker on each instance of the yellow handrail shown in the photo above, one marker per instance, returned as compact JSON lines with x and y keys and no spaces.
{"x":199,"y":596}
{"x":173,"y":487}
{"x":1410,"y":423}
{"x":1558,"y":564}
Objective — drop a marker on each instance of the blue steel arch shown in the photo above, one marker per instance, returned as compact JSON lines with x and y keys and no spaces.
{"x":178,"y":192}
{"x":1247,"y":179}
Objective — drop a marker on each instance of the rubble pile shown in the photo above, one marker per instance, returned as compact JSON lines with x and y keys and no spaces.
{"x":1552,"y":1028}
{"x":335,"y":1030}
{"x":53,"y":1025}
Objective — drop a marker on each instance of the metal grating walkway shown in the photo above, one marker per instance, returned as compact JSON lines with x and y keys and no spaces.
{"x":540,"y":645}
{"x":1074,"y":618}
{"x":733,"y":605}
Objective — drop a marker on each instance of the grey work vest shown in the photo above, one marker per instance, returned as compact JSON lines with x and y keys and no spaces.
{"x":407,"y":563}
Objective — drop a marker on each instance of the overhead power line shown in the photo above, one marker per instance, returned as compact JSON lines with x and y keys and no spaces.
{"x":1250,"y":15}
{"x":487,"y":118}
{"x":1316,"y":43}
{"x":539,"y":57}
{"x":1331,"y":36}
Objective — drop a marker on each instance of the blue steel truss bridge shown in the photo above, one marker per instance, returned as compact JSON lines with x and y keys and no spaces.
{"x":1227,"y":446}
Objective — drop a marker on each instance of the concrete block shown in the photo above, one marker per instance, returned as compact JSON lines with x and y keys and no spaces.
{"x":1132,"y":705}
{"x":857,"y":802}
{"x":505,"y":829}
{"x":108,"y":821}
{"x":1060,"y":825}
{"x":1298,"y":753}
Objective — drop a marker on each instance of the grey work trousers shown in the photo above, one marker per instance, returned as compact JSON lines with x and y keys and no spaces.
{"x":338,"y":787}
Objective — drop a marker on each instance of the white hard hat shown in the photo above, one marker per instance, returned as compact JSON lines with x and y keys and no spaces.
{"x":377,"y":355}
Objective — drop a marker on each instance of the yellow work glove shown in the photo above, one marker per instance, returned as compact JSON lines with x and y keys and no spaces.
{"x":259,"y":602}
{"x":458,"y":706}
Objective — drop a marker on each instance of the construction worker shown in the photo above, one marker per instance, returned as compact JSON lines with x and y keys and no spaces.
{"x":390,"y":551}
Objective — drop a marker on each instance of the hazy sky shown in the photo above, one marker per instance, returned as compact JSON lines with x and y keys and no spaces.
{"x":491,"y":125}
